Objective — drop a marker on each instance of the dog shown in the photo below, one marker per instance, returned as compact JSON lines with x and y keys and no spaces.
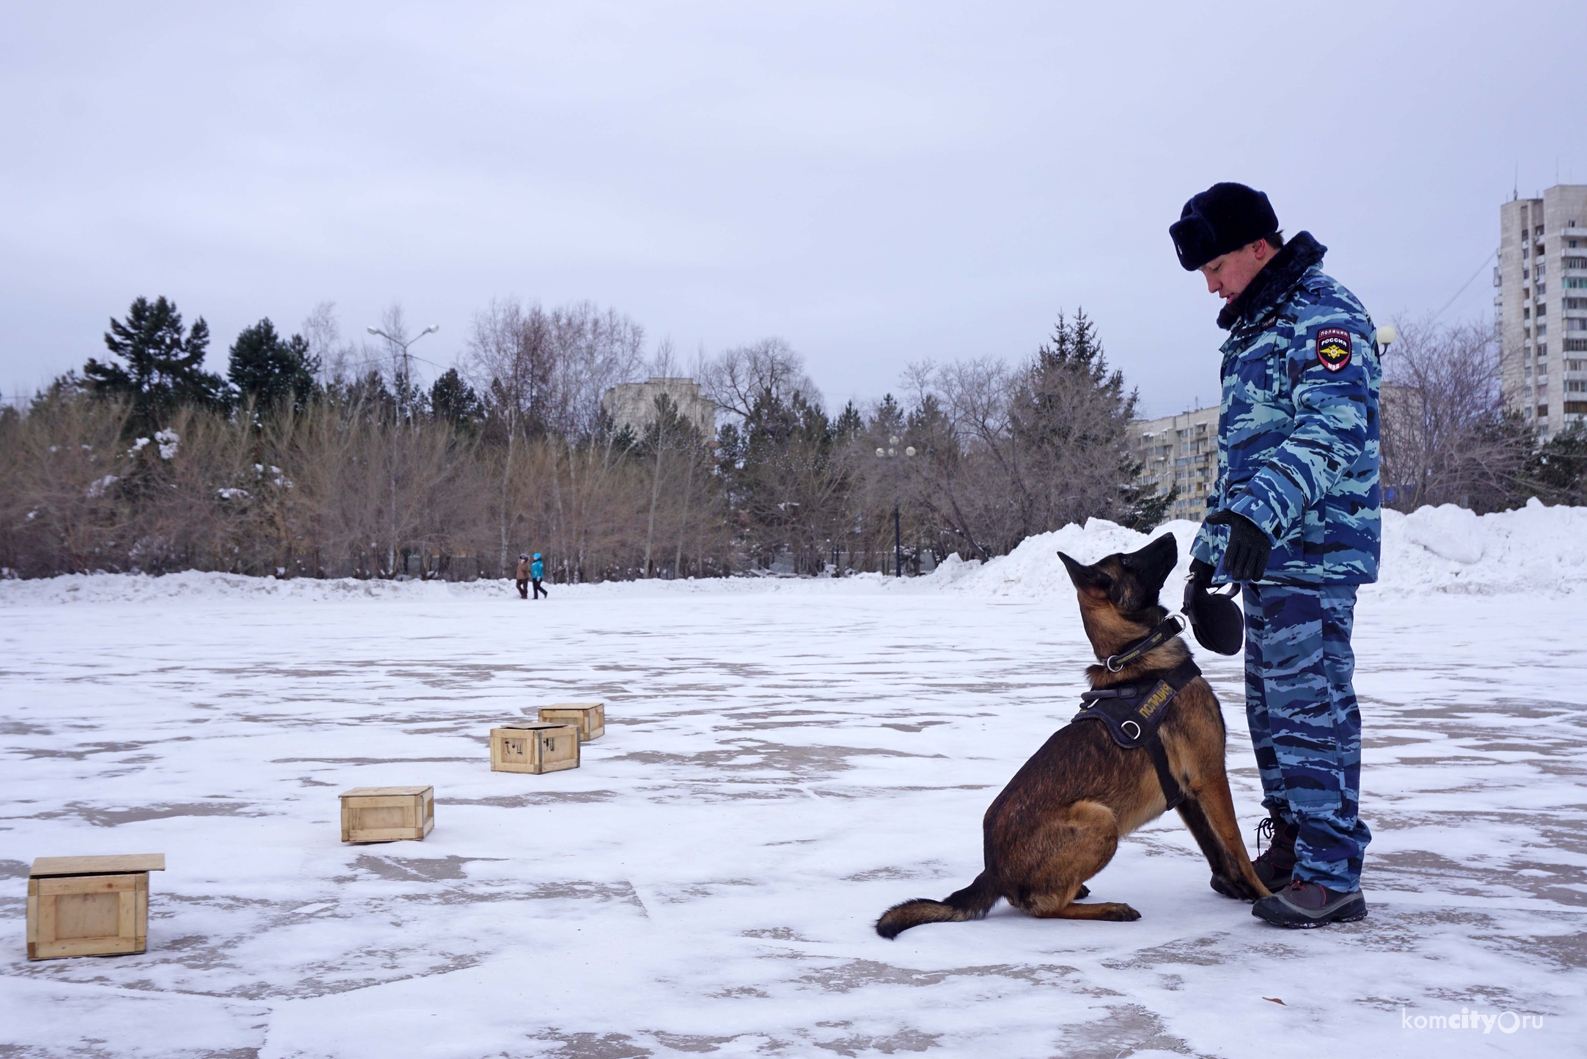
{"x":1059,"y":820}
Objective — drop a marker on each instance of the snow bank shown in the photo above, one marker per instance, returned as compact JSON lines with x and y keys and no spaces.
{"x":1434,"y":549}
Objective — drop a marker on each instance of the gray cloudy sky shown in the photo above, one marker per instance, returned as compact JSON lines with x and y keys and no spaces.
{"x":875,"y":183}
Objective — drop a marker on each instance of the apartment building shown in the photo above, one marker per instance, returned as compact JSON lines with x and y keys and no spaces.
{"x":1180,"y":450}
{"x":1541,"y":306}
{"x":633,"y":404}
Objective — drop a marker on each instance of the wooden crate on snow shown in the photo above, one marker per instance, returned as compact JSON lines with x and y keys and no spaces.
{"x":534,"y":748}
{"x":589,"y":716}
{"x":89,"y":906}
{"x":387,"y":814}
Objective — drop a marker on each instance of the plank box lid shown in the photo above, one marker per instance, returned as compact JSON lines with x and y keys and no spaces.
{"x":574,"y":705}
{"x":383,"y":792}
{"x":536,"y":726}
{"x":47,"y":867}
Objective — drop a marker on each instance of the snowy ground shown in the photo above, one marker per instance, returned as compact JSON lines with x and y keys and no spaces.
{"x":782,"y":761}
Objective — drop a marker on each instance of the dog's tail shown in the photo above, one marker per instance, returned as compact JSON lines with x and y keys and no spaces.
{"x":972,"y":902}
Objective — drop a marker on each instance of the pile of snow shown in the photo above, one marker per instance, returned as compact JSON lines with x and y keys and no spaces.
{"x":1433,"y":549}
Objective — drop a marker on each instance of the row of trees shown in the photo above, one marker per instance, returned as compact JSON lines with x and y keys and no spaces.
{"x":313,"y":457}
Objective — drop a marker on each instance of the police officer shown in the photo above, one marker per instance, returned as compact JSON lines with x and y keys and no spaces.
{"x":1293,"y":520}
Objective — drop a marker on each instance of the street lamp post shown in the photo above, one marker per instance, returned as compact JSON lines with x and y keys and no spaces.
{"x":403,"y":395}
{"x":407,"y":366}
{"x":891,"y":452}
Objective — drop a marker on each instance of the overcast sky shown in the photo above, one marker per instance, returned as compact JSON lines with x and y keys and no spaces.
{"x":876,"y":184}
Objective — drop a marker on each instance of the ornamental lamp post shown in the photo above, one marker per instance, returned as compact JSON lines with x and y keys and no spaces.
{"x":891,"y":452}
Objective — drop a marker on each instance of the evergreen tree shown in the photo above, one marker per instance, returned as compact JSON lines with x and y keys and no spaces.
{"x":848,"y":424}
{"x":1559,"y":468}
{"x":162,"y":364}
{"x":272,"y":371}
{"x":453,"y":400}
{"x":784,"y":479}
{"x":1070,"y":422}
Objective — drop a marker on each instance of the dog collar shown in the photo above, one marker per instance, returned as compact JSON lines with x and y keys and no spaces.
{"x":1166,"y":630}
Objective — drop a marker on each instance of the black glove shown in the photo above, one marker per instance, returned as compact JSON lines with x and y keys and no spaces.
{"x":1245,"y":559}
{"x":1215,"y":620}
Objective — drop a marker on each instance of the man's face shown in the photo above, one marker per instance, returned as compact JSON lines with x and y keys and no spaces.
{"x":1230,"y":274}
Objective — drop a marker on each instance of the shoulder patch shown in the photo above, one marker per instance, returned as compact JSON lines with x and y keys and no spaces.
{"x":1333,"y":347}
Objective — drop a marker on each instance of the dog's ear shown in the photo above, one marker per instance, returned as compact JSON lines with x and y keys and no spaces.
{"x":1086,"y":578}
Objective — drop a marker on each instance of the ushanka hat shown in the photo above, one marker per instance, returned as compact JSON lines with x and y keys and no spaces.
{"x":1221,"y":219}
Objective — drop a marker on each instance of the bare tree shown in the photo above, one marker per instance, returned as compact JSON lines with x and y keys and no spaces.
{"x":323,"y":332}
{"x":1445,"y":436}
{"x":738,"y":377}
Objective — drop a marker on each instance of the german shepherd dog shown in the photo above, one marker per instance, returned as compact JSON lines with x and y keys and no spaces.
{"x":1059,"y":820}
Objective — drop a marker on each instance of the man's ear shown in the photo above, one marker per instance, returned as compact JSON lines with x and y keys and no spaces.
{"x":1086,"y":577}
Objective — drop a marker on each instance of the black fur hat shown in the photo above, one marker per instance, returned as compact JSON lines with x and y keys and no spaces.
{"x":1225,"y":217}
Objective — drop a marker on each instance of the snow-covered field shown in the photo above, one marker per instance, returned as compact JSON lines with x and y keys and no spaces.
{"x":782,"y":761}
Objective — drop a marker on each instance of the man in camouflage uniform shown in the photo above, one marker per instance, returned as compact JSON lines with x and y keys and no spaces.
{"x":1294,"y":520}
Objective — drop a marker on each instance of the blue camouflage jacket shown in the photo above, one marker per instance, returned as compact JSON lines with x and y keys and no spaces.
{"x":1298,"y":427}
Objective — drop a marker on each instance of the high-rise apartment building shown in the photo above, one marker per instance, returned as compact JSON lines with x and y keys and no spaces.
{"x":1541,"y":306}
{"x":1181,"y":451}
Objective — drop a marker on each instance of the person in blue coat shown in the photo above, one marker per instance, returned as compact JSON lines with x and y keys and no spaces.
{"x":537,"y":573}
{"x":1294,"y":520}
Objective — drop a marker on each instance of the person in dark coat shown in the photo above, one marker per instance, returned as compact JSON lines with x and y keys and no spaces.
{"x":523,"y":575}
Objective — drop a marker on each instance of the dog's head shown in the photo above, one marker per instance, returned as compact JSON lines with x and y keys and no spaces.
{"x":1119,"y":593}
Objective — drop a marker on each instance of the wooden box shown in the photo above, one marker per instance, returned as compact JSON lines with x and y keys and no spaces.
{"x":589,"y":716}
{"x":534,"y":748}
{"x":89,"y":906}
{"x":387,"y":814}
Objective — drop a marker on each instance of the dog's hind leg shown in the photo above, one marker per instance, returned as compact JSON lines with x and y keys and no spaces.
{"x":1051,"y":866}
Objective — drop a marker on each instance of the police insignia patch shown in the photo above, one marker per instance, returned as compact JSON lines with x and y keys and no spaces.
{"x":1333,"y":347}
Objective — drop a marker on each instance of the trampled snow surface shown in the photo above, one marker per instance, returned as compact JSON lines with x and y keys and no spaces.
{"x":783,"y":760}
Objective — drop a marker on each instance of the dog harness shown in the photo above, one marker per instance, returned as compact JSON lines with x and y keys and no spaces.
{"x":1134,"y":712}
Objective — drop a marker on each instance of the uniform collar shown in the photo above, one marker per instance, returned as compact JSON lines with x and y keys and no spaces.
{"x":1268,"y":287}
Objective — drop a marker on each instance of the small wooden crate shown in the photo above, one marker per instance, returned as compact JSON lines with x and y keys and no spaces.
{"x":387,"y":814}
{"x":589,"y":716}
{"x":89,"y":906}
{"x":534,"y":748}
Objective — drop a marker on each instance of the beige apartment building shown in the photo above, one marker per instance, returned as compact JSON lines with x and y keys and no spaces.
{"x":633,"y":404}
{"x":1180,"y":450}
{"x":1541,"y":306}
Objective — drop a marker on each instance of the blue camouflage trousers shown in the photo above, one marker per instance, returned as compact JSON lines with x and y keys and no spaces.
{"x":1305,"y":726}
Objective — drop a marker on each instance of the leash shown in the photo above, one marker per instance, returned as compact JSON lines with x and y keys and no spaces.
{"x":1133,"y":714}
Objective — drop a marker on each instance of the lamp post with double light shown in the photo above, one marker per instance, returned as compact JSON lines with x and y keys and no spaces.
{"x":892,"y":451}
{"x":405,"y":407}
{"x":406,"y":382}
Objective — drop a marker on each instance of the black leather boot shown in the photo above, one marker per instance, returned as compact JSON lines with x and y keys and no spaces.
{"x":1275,"y":865}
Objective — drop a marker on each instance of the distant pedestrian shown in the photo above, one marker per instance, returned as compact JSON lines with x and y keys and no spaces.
{"x":523,"y":575}
{"x":537,"y":571}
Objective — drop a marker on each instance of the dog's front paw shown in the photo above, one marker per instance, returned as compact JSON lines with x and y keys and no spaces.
{"x":1120,"y":913}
